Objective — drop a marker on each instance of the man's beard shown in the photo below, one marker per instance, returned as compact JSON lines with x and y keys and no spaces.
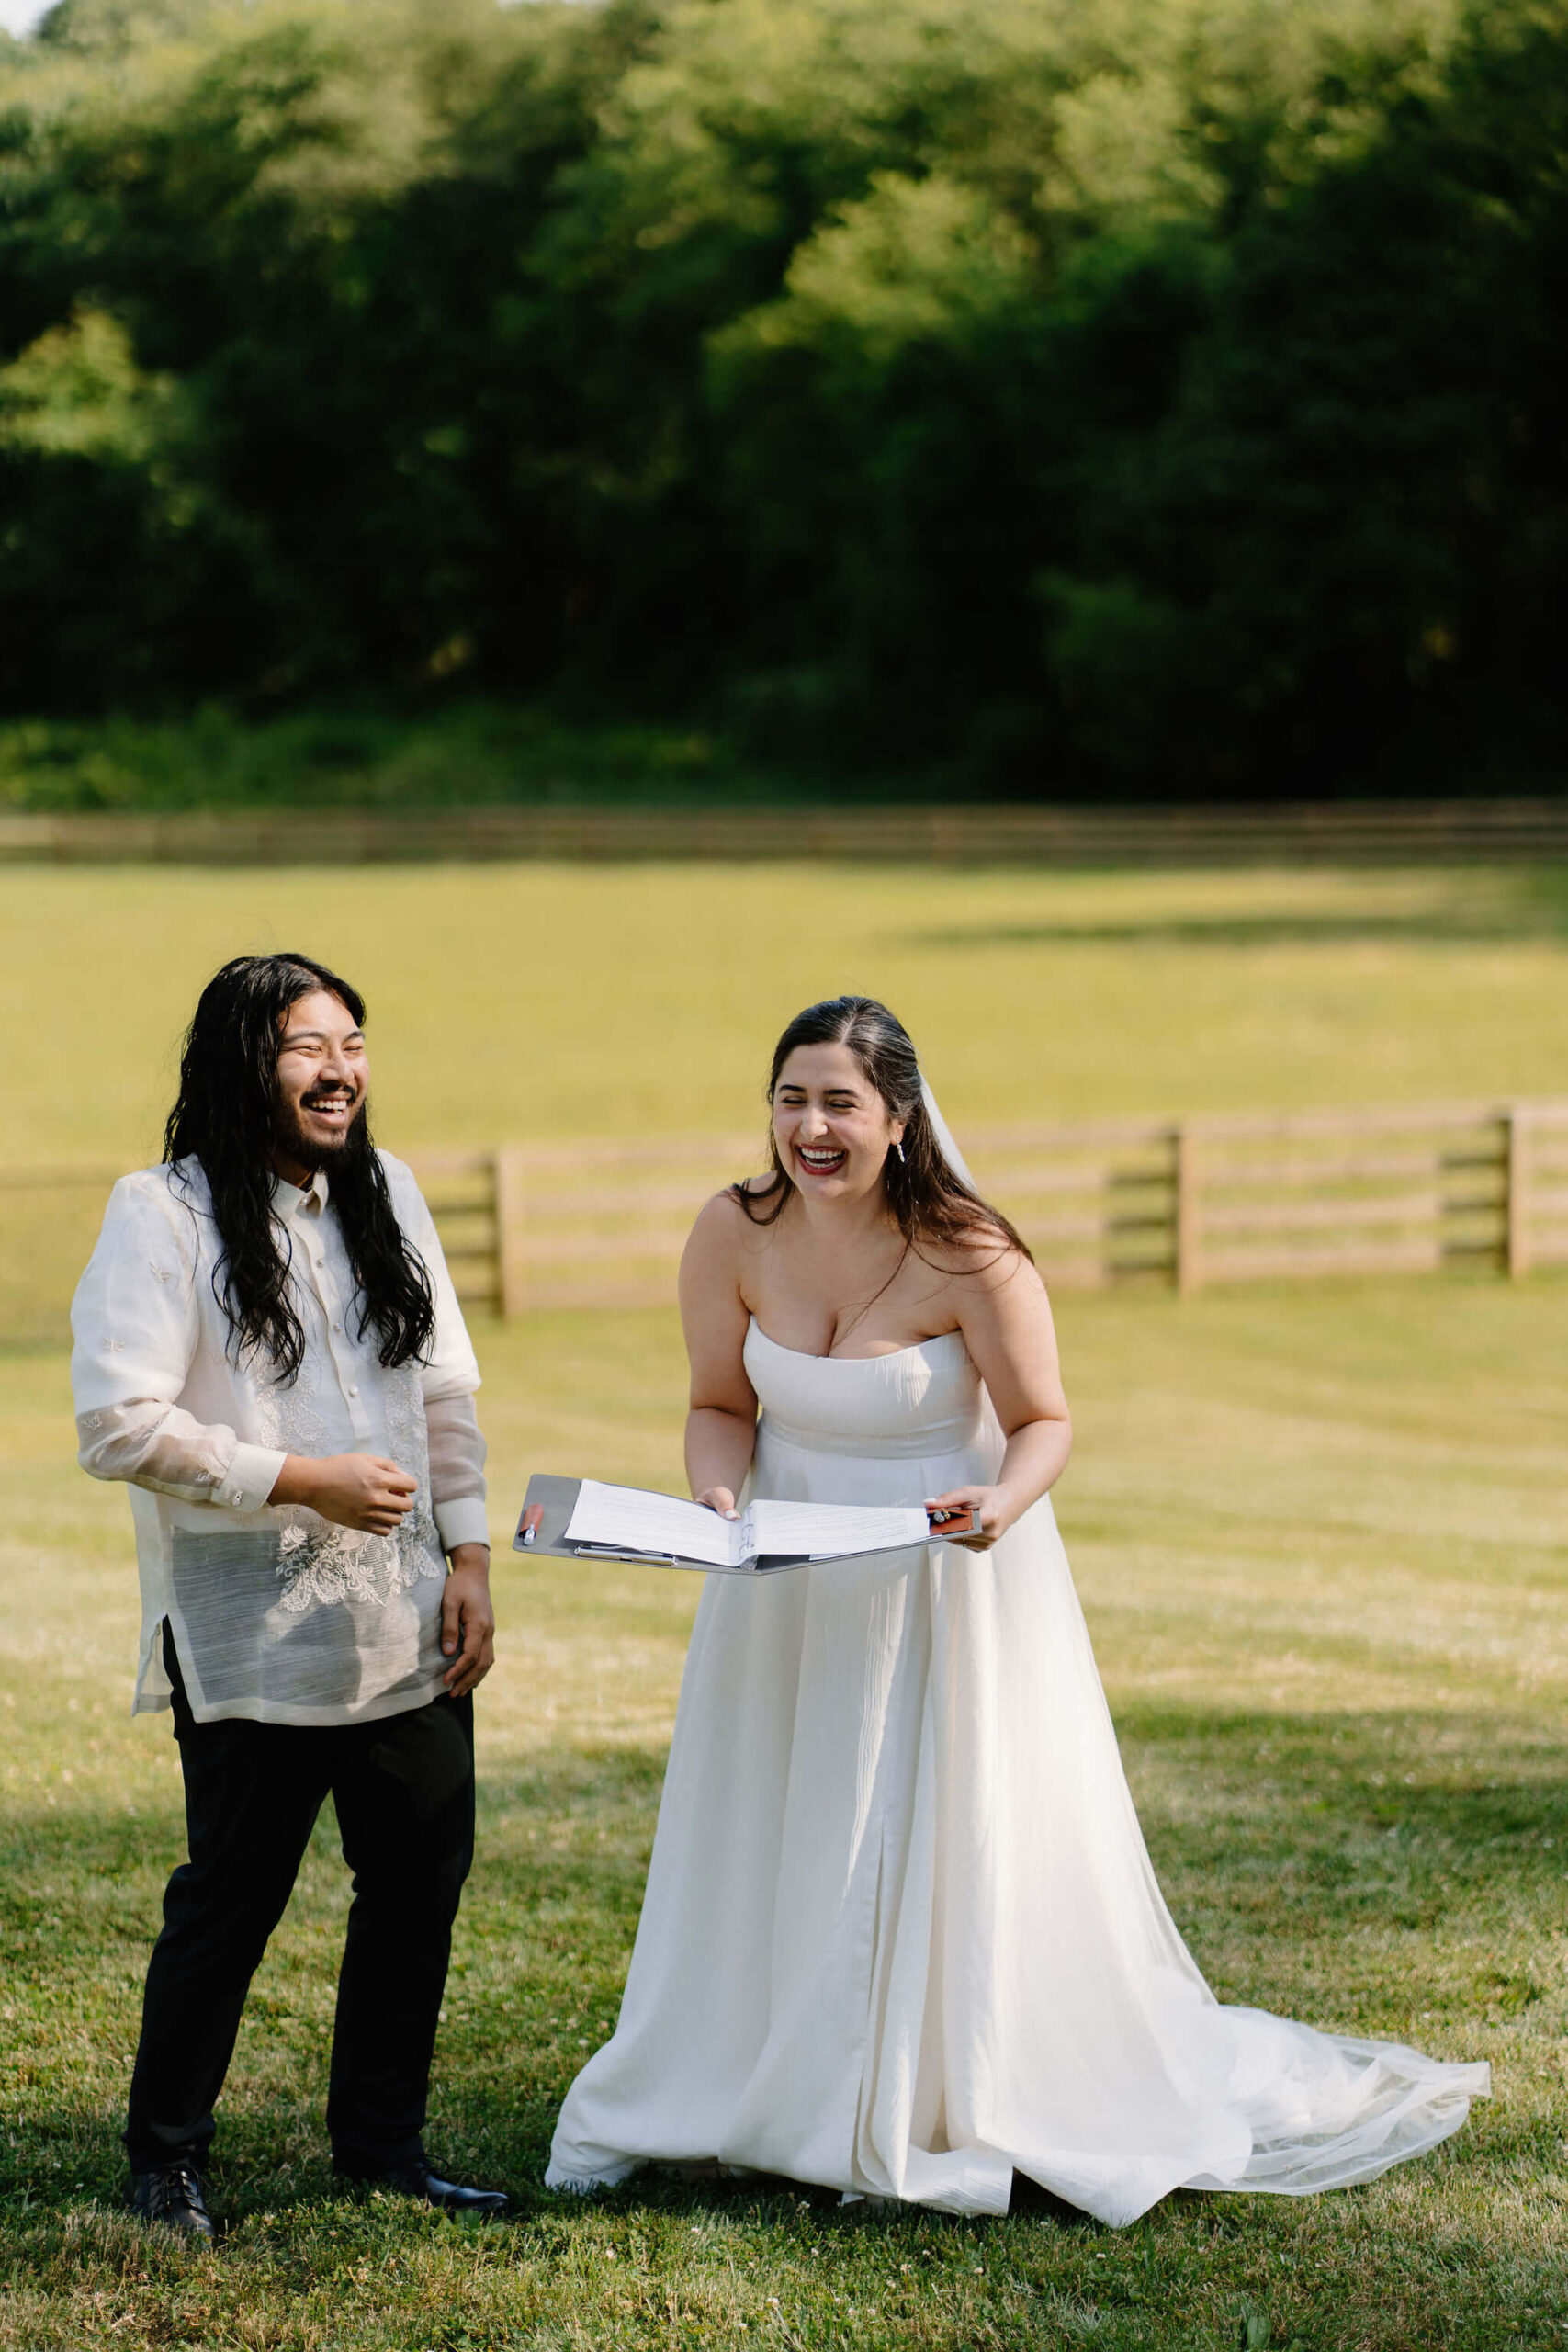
{"x":311,"y":1151}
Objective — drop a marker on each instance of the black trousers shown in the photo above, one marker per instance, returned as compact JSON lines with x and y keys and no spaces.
{"x":403,"y":1790}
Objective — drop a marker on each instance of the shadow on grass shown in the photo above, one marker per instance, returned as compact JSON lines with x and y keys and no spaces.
{"x":699,"y":2188}
{"x":1284,"y":1842}
{"x":1517,"y":906}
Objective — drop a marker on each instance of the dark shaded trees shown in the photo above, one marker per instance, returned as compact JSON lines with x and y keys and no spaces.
{"x":1139,"y":401}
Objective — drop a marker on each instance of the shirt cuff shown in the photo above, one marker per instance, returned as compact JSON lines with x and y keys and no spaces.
{"x":463,"y":1521}
{"x":250,"y":1477}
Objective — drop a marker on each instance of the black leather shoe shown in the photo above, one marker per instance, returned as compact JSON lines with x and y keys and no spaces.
{"x":417,"y":2180}
{"x":171,"y":2196}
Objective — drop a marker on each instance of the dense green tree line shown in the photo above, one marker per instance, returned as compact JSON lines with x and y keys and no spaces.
{"x":1077,"y":395}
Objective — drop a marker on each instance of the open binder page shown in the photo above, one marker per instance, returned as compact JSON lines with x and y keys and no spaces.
{"x":834,"y":1530}
{"x":634,"y":1520}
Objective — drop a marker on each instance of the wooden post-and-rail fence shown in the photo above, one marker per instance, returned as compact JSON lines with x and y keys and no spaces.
{"x":1186,"y":1204}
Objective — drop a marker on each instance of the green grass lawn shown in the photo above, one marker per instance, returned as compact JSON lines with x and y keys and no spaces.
{"x":531,"y":1000}
{"x":1319,"y":1533}
{"x":535,"y":1000}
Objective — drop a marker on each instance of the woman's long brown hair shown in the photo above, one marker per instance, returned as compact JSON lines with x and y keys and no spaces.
{"x":934,"y":1207}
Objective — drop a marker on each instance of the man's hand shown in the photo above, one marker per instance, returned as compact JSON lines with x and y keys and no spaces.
{"x":362,"y":1490}
{"x":468,"y":1620}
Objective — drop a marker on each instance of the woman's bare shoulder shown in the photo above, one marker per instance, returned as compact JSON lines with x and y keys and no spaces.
{"x":984,"y":1263}
{"x":723,"y":1224}
{"x":719,"y":1262}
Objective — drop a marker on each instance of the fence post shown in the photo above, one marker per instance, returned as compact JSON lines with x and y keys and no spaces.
{"x":509,"y":1275}
{"x":1184,"y":1148}
{"x":1515,"y":1202}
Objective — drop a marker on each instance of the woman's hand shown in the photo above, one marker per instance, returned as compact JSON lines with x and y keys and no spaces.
{"x":995,"y":1506}
{"x":361,"y":1490}
{"x":719,"y":1498}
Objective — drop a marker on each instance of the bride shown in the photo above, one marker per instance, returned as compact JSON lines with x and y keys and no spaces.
{"x":901,"y":1935}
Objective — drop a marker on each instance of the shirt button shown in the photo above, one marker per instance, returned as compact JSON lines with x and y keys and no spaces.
{"x":353,"y":1389}
{"x":337,"y":1327}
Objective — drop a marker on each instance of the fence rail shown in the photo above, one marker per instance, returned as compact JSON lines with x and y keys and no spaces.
{"x":940,"y":834}
{"x":1186,"y":1203}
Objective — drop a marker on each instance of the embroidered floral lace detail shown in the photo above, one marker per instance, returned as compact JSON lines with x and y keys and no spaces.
{"x":284,"y":1615}
{"x":320,"y":1564}
{"x":340,"y":1563}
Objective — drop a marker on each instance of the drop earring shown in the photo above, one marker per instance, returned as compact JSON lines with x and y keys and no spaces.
{"x":899,"y":1150}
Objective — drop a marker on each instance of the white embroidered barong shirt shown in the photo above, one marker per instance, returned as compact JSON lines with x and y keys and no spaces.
{"x":276,"y":1613}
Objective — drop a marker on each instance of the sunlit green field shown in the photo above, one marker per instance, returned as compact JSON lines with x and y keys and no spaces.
{"x":1319,"y":1533}
{"x":523,"y":1000}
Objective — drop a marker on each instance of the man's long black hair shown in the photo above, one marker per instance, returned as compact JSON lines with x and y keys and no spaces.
{"x":225,"y":1117}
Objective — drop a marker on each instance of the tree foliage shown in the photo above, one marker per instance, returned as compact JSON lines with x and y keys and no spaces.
{"x":1132,"y":396}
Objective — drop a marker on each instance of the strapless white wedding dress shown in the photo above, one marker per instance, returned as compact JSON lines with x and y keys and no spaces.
{"x":901,"y":1935}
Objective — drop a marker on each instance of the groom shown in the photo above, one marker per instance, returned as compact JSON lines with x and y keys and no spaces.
{"x":270,"y":1351}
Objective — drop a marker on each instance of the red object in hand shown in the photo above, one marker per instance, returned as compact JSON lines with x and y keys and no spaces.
{"x":532,"y":1521}
{"x":948,"y":1523}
